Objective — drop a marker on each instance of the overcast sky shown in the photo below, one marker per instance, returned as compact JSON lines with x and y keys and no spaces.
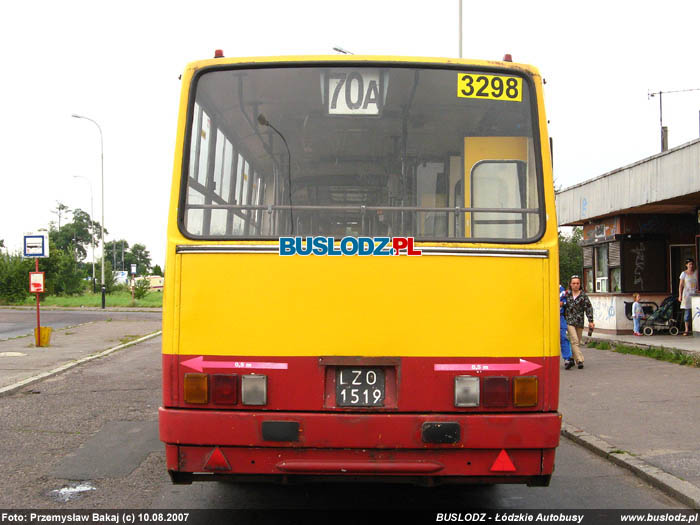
{"x":119,"y":62}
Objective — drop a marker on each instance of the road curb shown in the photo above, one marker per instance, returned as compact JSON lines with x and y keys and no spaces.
{"x":679,"y":489}
{"x":9,"y":389}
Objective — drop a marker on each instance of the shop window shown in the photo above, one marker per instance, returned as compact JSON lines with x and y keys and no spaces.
{"x":601,"y":268}
{"x":588,"y":282}
{"x":614,"y":261}
{"x":615,"y":280}
{"x":588,"y":279}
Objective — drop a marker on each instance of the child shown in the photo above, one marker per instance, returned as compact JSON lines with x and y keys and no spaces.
{"x":637,"y":313}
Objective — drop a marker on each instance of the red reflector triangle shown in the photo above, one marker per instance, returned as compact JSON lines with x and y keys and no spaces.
{"x":217,"y":461}
{"x":503,"y":463}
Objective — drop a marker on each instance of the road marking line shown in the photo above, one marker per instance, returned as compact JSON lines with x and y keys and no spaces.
{"x":29,"y":380}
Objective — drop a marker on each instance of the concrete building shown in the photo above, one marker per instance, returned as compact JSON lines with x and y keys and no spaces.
{"x":640,"y":222}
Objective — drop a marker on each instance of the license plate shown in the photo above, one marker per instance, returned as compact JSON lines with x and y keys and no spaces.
{"x":359,"y":387}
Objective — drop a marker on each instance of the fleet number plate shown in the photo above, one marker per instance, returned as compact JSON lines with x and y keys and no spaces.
{"x":493,"y":87}
{"x":359,"y":387}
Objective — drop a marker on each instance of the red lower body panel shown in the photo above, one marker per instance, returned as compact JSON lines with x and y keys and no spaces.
{"x":489,"y":447}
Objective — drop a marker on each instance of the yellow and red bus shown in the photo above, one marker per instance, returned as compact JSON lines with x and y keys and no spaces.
{"x":362,"y":273}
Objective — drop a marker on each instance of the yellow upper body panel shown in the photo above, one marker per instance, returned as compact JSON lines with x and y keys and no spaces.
{"x":265,"y":304}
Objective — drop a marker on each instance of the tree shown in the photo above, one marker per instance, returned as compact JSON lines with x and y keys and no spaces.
{"x":63,"y":274}
{"x":88,"y":230}
{"x":76,"y":236}
{"x":61,"y":209}
{"x":570,"y":255}
{"x":14,"y":277}
{"x":110,"y":279}
{"x":116,"y":252}
{"x":141,"y":288}
{"x":123,"y":256}
{"x":157,"y":270}
{"x":142,"y":258}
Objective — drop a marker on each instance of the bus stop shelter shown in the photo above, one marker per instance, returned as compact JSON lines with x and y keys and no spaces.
{"x":640,"y":223}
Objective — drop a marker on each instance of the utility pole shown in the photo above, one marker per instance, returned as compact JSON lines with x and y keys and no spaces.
{"x":664,"y":129}
{"x":460,"y":28}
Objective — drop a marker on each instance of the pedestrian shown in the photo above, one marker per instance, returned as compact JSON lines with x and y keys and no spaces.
{"x":577,"y":304}
{"x":687,"y":287}
{"x":637,"y":313}
{"x":563,"y":340}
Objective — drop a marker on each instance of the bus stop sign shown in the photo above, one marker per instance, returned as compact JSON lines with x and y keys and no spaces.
{"x":36,"y":245}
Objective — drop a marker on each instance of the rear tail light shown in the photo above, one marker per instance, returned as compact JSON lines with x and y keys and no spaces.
{"x":466,"y":391}
{"x":224,"y":389}
{"x":254,"y":389}
{"x":196,"y":388}
{"x":525,"y":391}
{"x":496,"y":392}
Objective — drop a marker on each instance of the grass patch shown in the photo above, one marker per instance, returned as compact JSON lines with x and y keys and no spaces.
{"x":660,"y":354}
{"x":128,"y":338}
{"x":122,"y":299}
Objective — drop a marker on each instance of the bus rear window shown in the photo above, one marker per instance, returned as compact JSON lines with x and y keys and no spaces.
{"x":436,"y":154}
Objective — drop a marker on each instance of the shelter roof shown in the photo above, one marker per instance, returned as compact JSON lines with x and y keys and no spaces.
{"x":668,"y":182}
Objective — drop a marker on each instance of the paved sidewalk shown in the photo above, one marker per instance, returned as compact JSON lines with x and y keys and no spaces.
{"x":639,"y":412}
{"x":21,"y":360}
{"x":676,"y":342}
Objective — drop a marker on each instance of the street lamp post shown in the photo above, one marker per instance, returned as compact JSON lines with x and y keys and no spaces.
{"x":102,"y":230}
{"x":92,"y":237}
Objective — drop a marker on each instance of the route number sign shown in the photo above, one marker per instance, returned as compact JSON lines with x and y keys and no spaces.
{"x":355,"y":92}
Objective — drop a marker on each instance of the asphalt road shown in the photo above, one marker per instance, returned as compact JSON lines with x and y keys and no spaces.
{"x":18,"y":322}
{"x":87,"y":438}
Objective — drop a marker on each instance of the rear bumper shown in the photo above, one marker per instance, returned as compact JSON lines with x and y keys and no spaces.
{"x":220,"y":443}
{"x":357,"y":430}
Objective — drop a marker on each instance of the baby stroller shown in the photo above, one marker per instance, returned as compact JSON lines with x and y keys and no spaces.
{"x":665,"y":317}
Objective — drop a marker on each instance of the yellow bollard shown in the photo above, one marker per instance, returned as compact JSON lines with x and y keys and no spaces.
{"x":44,"y":336}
